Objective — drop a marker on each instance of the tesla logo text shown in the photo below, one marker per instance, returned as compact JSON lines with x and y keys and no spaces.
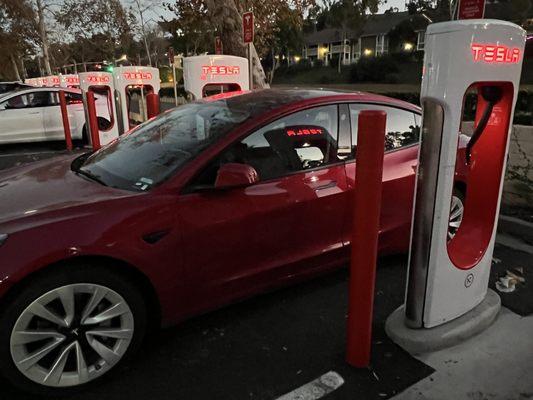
{"x":132,"y":76}
{"x":495,"y":54}
{"x":98,"y":79}
{"x":220,"y":70}
{"x":304,"y":131}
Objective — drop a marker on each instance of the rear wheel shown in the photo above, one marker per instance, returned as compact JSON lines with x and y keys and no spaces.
{"x":457,"y":209}
{"x":70,"y":328}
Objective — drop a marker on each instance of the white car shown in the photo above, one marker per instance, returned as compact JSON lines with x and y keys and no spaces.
{"x":34,"y":115}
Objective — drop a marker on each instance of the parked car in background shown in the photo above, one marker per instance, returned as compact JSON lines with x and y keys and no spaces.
{"x":33,"y":114}
{"x":208,"y":203}
{"x":6,"y":87}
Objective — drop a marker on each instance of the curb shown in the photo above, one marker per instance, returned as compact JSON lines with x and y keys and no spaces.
{"x":516,"y":227}
{"x":420,"y":341}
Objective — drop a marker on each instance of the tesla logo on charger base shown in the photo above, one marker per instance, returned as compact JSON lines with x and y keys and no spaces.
{"x":133,"y":76}
{"x":307,"y":131}
{"x":98,"y":79}
{"x":490,"y":53}
{"x":220,"y":70}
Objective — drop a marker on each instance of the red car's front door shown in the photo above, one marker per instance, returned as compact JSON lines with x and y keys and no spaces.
{"x":399,"y":169}
{"x":237,"y":241}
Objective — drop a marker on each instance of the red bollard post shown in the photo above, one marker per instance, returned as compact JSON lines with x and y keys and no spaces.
{"x":93,"y":121}
{"x":64,"y":116}
{"x":152,"y":105}
{"x":367,"y":199}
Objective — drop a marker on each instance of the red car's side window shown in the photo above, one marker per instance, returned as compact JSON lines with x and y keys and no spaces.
{"x":403,"y":128}
{"x":301,"y":141}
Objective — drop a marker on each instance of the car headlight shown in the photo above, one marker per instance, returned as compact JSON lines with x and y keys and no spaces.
{"x":3,"y":238}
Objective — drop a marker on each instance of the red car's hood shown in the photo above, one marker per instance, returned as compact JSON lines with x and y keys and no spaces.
{"x":45,"y":186}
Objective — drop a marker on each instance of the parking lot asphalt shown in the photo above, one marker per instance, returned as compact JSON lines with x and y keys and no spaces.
{"x":267,"y":346}
{"x":264,"y":347}
{"x":15,"y":155}
{"x":261,"y":348}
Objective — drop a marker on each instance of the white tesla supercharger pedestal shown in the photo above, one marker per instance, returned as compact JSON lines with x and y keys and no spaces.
{"x":208,"y":75}
{"x":447,"y":288}
{"x":133,"y":77}
{"x":100,"y":83}
{"x":69,"y":81}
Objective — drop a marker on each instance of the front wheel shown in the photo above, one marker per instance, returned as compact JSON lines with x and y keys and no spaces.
{"x":70,"y":328}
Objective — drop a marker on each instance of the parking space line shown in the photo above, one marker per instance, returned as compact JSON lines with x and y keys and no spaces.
{"x":316,"y":389}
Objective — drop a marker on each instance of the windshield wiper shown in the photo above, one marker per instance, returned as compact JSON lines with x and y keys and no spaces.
{"x":91,"y":176}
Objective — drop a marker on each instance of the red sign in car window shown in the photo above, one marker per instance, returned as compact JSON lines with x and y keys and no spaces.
{"x":295,"y":131}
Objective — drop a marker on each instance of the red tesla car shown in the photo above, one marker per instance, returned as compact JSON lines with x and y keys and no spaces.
{"x":211,"y":202}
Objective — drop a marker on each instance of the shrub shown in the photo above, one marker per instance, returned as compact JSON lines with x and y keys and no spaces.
{"x":392,"y":78}
{"x":324,"y":80}
{"x":374,"y":69}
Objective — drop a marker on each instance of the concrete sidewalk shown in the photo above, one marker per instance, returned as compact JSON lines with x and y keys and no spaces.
{"x":497,"y":364}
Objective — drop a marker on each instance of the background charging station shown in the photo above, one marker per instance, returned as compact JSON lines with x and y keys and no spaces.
{"x":209,"y":75}
{"x":126,"y":79}
{"x":102,"y":83}
{"x":448,"y":277}
{"x":69,"y":81}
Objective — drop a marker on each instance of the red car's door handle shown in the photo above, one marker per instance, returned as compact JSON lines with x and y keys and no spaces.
{"x":326,"y":186}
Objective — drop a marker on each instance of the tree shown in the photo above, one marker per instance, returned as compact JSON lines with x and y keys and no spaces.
{"x":41,"y":8}
{"x":143,"y":8}
{"x":191,"y":30}
{"x":106,"y":23}
{"x":199,"y":21}
{"x":16,"y":38}
{"x":226,"y":18}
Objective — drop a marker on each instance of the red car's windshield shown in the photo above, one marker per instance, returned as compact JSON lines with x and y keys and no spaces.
{"x":157,"y":149}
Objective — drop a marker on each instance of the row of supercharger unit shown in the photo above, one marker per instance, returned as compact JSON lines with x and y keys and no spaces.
{"x":203,"y":76}
{"x":116,"y":87}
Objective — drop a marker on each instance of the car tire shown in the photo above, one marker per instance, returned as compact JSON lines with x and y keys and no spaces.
{"x":457,"y":207}
{"x":84,"y":135}
{"x":103,"y":124}
{"x":92,"y":342}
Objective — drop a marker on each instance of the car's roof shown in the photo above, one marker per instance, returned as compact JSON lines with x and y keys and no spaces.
{"x":262,"y":101}
{"x":22,"y":90}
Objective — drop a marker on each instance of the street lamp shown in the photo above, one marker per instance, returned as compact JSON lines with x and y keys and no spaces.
{"x":408,"y":46}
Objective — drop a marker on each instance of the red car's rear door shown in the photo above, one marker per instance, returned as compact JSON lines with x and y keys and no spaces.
{"x":399,"y":169}
{"x":238,"y":240}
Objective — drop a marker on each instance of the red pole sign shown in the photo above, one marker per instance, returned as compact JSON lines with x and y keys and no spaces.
{"x":248,"y":27}
{"x":64,"y":117}
{"x":365,"y":230}
{"x":471,"y":9}
{"x":218,"y":45}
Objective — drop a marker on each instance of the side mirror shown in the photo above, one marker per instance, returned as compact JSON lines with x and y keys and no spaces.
{"x":235,"y":175}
